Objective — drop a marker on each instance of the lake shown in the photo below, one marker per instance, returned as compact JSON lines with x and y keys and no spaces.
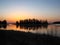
{"x":50,"y":29}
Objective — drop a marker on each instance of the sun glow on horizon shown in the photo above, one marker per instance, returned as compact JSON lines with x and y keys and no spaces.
{"x":14,"y":11}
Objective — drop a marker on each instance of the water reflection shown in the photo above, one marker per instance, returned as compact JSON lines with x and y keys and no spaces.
{"x":3,"y":26}
{"x":33,"y":27}
{"x":46,"y":29}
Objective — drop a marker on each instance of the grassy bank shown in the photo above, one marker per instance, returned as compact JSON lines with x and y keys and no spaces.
{"x":23,"y":38}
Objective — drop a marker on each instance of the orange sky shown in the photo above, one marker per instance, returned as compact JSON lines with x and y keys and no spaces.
{"x":39,"y":9}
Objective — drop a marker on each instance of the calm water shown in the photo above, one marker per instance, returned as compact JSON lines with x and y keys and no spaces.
{"x":50,"y":29}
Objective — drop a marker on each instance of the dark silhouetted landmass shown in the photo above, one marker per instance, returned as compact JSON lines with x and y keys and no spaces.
{"x":24,"y":38}
{"x":31,"y":22}
{"x":57,"y":22}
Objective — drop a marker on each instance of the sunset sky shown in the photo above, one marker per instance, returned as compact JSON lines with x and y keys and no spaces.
{"x":13,"y":10}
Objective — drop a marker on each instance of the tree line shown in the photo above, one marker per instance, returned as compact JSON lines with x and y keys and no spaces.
{"x":4,"y":22}
{"x":31,"y":22}
{"x":27,"y":22}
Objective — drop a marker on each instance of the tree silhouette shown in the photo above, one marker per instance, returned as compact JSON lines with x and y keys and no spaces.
{"x":32,"y":23}
{"x":3,"y":24}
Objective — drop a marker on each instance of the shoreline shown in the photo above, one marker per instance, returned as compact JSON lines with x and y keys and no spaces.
{"x":26,"y":38}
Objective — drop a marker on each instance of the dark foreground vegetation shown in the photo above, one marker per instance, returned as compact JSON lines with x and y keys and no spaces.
{"x":24,"y":38}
